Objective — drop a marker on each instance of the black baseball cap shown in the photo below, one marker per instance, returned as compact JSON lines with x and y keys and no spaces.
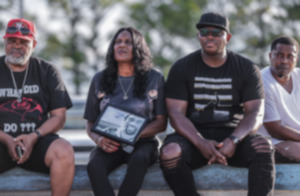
{"x":213,"y":19}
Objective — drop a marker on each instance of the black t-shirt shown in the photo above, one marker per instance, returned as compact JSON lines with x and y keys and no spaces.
{"x":152,"y":105}
{"x":43,"y":91}
{"x":215,"y":96}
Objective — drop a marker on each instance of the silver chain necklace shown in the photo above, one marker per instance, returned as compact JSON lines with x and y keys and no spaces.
{"x":125,"y":96}
{"x":19,"y":95}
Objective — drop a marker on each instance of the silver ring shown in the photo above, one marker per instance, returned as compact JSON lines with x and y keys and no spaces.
{"x":104,"y":147}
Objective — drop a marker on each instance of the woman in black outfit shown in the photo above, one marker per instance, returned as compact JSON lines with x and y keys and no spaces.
{"x":129,"y":82}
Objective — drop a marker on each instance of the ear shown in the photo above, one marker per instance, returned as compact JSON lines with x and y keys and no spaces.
{"x":34,"y":43}
{"x":228,"y":36}
{"x":270,"y":55}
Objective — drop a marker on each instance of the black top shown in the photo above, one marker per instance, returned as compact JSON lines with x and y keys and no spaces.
{"x":43,"y":91}
{"x":152,"y":105}
{"x":214,"y":95}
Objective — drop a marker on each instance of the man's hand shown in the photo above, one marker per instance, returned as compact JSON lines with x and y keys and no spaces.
{"x":228,"y":148}
{"x":26,"y":142}
{"x":210,"y":150}
{"x":11,"y":145}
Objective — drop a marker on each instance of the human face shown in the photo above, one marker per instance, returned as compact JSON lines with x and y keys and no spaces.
{"x":283,"y":60}
{"x":213,"y":45}
{"x":123,"y":48}
{"x":18,"y":51}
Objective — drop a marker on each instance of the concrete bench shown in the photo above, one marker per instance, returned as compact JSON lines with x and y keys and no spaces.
{"x":214,"y":177}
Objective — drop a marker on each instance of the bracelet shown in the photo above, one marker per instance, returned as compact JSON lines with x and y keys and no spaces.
{"x":38,"y":134}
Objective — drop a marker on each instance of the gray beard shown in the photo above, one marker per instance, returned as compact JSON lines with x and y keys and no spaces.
{"x":16,"y":61}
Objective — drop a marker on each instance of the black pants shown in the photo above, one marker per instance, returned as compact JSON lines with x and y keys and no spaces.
{"x":101,"y":164}
{"x":261,"y":166}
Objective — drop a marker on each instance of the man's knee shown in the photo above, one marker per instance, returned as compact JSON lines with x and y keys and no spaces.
{"x":170,"y":155}
{"x":60,"y":151}
{"x":262,"y":144}
{"x":288,"y":150}
{"x":170,"y":151}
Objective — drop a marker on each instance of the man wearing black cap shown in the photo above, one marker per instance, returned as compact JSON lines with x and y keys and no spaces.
{"x":33,"y":103}
{"x":215,"y":103}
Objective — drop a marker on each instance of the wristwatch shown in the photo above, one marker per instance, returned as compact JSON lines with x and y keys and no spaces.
{"x":38,"y":133}
{"x":234,"y":139}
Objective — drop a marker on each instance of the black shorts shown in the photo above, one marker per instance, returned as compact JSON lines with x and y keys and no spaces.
{"x":36,"y":162}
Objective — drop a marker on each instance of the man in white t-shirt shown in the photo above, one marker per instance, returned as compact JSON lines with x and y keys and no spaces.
{"x":282,"y":96}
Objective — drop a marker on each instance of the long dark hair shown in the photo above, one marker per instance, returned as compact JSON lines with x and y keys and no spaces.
{"x":141,"y":59}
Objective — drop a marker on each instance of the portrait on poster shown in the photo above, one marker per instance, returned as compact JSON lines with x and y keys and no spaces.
{"x":119,"y":124}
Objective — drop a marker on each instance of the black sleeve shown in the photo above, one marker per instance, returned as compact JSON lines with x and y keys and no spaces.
{"x":176,"y":84}
{"x":160,"y":106}
{"x":253,"y":84}
{"x":59,"y":96}
{"x":92,"y":108}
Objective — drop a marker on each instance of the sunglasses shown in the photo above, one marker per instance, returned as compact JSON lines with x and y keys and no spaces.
{"x":22,"y":30}
{"x":213,"y":32}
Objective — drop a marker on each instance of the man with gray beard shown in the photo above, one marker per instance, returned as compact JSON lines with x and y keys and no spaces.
{"x":33,"y":104}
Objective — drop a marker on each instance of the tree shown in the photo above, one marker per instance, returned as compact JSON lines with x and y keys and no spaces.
{"x":168,"y":26}
{"x":5,"y":7}
{"x":78,"y":52}
{"x":257,"y":23}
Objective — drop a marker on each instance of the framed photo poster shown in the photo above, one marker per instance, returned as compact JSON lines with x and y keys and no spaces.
{"x":119,"y":124}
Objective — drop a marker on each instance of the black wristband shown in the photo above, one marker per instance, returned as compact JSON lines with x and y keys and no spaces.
{"x":38,"y":134}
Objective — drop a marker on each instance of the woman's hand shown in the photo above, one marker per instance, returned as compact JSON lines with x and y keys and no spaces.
{"x":107,"y":144}
{"x":102,"y":142}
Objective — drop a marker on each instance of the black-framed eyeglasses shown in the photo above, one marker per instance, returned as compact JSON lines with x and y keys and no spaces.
{"x":22,"y":30}
{"x":214,"y":32}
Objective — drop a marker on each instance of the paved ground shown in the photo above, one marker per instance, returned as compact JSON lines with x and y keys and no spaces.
{"x":153,"y":193}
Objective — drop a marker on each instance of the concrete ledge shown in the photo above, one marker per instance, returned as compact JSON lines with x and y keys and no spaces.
{"x":214,"y":177}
